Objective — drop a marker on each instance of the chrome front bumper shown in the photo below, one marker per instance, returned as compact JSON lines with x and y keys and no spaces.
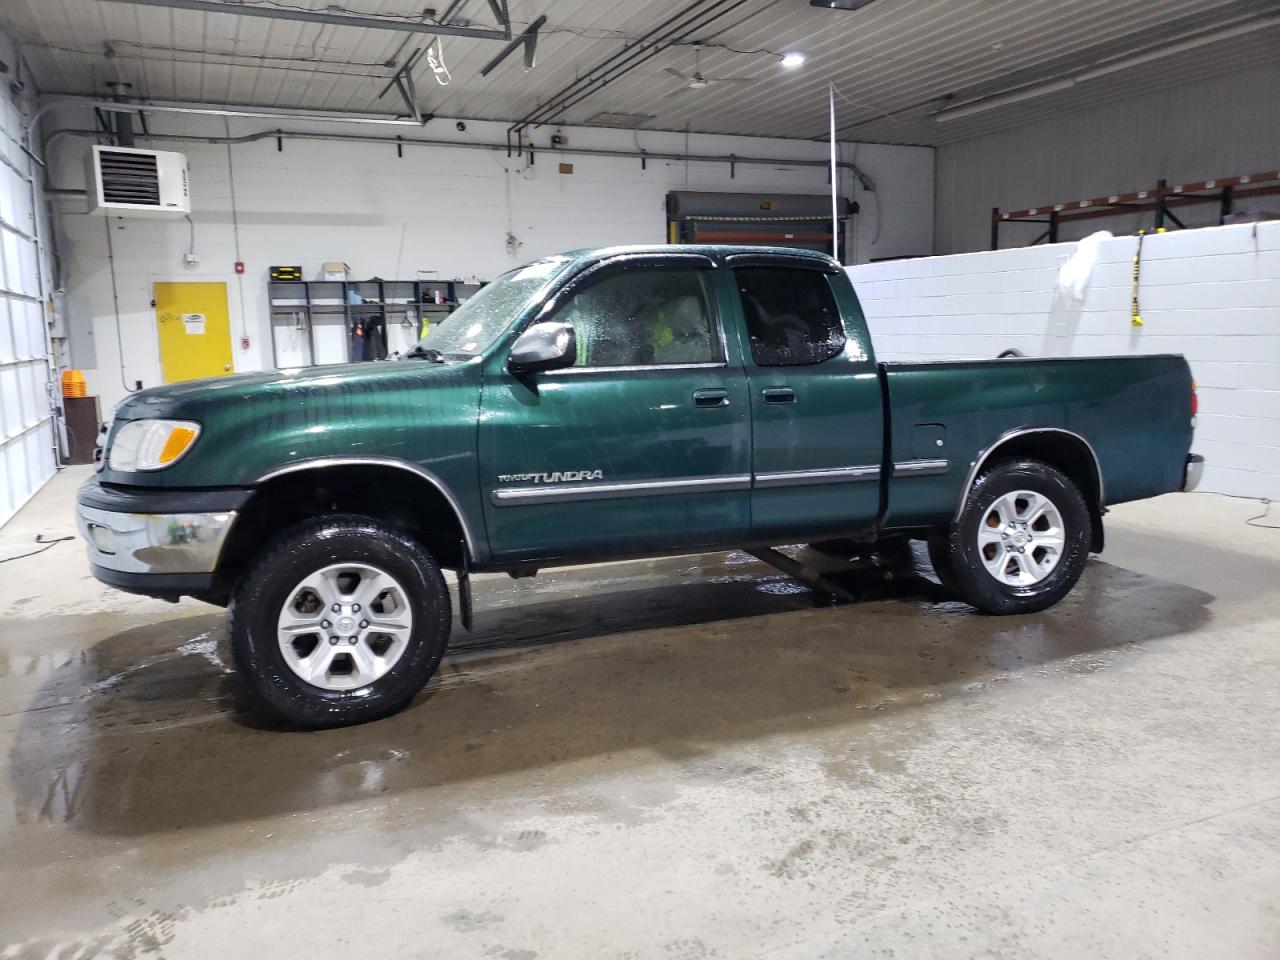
{"x":157,"y":543}
{"x":1194,"y":471}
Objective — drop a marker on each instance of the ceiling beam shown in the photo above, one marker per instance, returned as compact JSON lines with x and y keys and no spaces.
{"x":323,"y":16}
{"x":529,"y":39}
{"x":403,"y":81}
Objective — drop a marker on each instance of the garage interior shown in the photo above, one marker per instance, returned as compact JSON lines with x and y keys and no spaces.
{"x":700,"y":755}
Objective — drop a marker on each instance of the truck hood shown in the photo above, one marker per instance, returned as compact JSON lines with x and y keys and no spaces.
{"x":188,"y":400}
{"x":254,"y":423}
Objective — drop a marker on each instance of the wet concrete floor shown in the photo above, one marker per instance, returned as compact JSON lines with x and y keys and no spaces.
{"x":686,"y":758}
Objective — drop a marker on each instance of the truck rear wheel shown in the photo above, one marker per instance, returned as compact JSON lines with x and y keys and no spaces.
{"x":342,"y":620}
{"x":1021,"y":541}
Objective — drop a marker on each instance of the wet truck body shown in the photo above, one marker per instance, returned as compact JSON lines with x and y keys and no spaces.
{"x":606,"y":404}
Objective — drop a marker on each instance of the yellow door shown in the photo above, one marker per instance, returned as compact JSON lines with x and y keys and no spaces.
{"x":195,"y":333}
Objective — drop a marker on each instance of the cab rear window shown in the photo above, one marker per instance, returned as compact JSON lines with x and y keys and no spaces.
{"x":792,"y":317}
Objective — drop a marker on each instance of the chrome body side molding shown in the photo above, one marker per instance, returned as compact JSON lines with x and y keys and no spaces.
{"x":576,"y":492}
{"x":797,"y":478}
{"x":567,"y":493}
{"x":920,"y":468}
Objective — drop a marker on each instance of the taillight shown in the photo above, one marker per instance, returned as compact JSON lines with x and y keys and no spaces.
{"x":1195,"y":401}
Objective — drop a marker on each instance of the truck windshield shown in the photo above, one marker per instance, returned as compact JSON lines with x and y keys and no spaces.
{"x":473,"y":326}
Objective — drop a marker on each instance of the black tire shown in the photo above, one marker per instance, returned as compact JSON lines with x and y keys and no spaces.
{"x":299,"y":552}
{"x":957,"y":557}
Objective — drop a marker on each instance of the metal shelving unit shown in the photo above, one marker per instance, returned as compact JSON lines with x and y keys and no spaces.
{"x":1161,"y":199}
{"x":312,"y":320}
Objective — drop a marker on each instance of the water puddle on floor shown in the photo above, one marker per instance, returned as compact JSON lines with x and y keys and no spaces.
{"x":122,"y":728}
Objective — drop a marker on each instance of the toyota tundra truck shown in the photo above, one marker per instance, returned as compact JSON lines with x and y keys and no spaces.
{"x":607,"y":404}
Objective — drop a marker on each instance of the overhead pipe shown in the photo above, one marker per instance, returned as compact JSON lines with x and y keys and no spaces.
{"x":643,"y":50}
{"x":604,"y":81}
{"x":629,"y":51}
{"x":124,"y":130}
{"x":123,"y":120}
{"x":203,"y":110}
{"x":233,"y":110}
{"x":327,"y":17}
{"x":399,"y":141}
{"x":690,"y":19}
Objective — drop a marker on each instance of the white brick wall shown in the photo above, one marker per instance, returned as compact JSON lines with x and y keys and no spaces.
{"x":1211,"y":294}
{"x":316,"y":200}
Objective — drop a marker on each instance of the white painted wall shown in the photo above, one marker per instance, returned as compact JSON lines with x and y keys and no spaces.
{"x":1212,"y":295}
{"x":1218,"y":127}
{"x":438,"y":208}
{"x":26,"y":417}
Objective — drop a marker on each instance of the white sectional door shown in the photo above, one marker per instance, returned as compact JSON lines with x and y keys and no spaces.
{"x":26,"y":417}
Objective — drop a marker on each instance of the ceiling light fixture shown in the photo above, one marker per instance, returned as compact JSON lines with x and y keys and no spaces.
{"x":793,"y":60}
{"x":840,"y":4}
{"x":1113,"y":65}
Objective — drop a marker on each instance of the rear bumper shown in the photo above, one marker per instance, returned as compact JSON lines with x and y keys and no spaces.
{"x":1192,"y":473}
{"x":146,"y":542}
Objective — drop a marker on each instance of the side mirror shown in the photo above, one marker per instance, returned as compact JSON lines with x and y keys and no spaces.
{"x":544,"y":346}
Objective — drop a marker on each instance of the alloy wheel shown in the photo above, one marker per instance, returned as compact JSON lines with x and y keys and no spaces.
{"x":1021,"y":538}
{"x":344,"y":626}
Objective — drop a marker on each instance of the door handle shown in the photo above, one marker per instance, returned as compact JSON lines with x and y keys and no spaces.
{"x":711,"y":398}
{"x":778,"y":395}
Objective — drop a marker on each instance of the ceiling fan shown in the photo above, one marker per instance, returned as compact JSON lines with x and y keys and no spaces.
{"x":696,"y":81}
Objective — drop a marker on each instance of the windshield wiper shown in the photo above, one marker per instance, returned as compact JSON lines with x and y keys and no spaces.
{"x":426,"y":353}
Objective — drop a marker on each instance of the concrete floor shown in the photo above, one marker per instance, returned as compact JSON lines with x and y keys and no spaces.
{"x":689,"y":758}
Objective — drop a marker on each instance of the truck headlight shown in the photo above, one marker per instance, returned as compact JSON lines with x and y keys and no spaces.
{"x":151,"y":444}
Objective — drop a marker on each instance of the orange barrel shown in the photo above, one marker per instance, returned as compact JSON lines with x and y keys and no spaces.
{"x":73,"y":384}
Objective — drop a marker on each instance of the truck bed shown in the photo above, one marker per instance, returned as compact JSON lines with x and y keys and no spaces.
{"x":1135,"y":412}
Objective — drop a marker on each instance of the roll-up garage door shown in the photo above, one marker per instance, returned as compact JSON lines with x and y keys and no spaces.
{"x":774,"y":220}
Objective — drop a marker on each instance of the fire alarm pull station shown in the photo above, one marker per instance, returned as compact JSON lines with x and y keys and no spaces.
{"x":239,"y":266}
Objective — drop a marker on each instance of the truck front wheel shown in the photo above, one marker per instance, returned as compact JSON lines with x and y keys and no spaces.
{"x":1021,"y":541}
{"x":341,"y":620}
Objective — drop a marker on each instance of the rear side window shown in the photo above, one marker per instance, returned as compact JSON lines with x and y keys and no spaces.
{"x":792,"y":317}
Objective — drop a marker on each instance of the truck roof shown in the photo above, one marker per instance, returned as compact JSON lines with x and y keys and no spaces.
{"x":716,"y":250}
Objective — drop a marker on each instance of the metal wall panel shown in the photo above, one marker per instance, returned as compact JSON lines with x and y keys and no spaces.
{"x":1219,"y":127}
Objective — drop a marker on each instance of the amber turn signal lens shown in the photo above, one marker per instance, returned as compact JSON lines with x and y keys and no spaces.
{"x":179,"y":439}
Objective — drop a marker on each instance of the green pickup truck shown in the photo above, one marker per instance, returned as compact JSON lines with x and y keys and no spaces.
{"x":604,"y":404}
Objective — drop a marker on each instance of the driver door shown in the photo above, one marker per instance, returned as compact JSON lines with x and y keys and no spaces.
{"x":643,"y":445}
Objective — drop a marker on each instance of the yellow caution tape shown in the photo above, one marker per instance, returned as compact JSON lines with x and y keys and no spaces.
{"x":1135,"y":314}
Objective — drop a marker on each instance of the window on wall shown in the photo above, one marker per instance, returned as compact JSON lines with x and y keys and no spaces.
{"x":644,"y":316}
{"x":792,"y":317}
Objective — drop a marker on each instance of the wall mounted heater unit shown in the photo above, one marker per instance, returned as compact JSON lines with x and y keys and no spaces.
{"x":126,"y":182}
